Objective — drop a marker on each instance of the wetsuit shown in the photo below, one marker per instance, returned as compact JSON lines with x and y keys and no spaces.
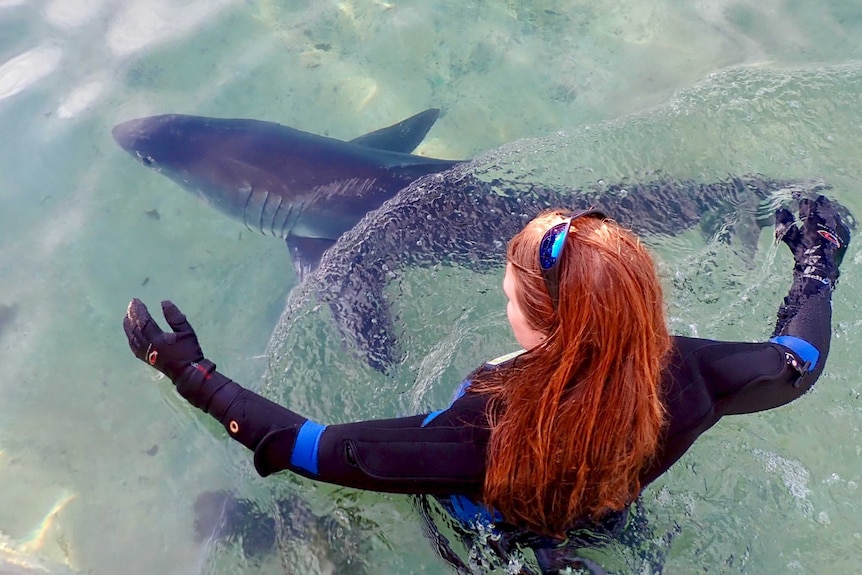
{"x":443,"y":453}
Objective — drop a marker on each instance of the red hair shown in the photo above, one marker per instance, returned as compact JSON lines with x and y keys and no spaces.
{"x":575,"y":420}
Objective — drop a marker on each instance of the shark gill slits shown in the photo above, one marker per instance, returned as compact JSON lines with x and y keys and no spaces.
{"x":279,"y":217}
{"x":284,"y":223}
{"x":262,"y":212}
{"x":274,"y":216}
{"x":248,"y":190}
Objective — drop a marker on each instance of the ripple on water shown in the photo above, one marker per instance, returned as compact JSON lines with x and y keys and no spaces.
{"x":793,"y":475}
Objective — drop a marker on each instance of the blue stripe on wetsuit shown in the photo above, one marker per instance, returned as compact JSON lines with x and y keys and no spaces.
{"x":306,"y":446}
{"x":462,"y":389}
{"x":806,"y":352}
{"x":431,"y":416}
{"x":469,"y":512}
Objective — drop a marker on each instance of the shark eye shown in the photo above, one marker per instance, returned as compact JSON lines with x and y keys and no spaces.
{"x":148,"y":160}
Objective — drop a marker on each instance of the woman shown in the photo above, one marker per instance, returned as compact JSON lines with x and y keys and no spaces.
{"x":567,"y":433}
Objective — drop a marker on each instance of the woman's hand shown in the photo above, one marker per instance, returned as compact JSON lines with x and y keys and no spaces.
{"x":819,"y":244}
{"x":169,"y":352}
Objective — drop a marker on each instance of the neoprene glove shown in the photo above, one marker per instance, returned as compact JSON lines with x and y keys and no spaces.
{"x":819,"y":244}
{"x":178,"y":355}
{"x":169,"y":352}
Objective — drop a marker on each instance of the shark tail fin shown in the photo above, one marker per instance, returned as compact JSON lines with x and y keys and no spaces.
{"x":401,"y":137}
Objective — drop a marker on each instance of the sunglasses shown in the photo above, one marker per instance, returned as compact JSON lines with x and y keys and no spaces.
{"x":551,"y":248}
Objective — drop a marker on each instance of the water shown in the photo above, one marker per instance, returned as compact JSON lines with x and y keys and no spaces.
{"x":601,"y":90}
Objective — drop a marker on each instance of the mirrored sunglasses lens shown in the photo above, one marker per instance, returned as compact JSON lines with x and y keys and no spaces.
{"x":552,"y":245}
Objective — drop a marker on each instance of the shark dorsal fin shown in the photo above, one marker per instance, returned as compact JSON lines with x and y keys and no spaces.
{"x":401,"y":137}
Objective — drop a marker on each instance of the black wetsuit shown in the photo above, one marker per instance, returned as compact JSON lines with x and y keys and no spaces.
{"x":443,"y":453}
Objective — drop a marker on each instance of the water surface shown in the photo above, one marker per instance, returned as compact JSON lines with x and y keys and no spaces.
{"x":574,"y":92}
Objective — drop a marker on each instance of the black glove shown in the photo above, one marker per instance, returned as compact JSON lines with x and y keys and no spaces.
{"x":172,"y":353}
{"x":819,"y":244}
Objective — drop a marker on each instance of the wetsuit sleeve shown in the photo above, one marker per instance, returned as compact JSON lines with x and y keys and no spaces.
{"x":804,"y":325}
{"x":751,"y":377}
{"x":705,"y":380}
{"x":419,"y":454}
{"x":818,"y":246}
{"x":439,"y":453}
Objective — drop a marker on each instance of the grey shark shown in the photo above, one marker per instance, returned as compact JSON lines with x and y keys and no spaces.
{"x":304,"y":188}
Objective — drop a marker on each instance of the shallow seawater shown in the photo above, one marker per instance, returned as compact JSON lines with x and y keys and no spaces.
{"x":101,"y":464}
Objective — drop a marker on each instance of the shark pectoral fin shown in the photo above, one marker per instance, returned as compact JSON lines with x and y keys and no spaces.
{"x":306,"y":253}
{"x":403,"y":136}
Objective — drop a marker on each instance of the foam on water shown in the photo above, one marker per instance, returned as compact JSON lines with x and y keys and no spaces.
{"x":792,"y":474}
{"x":82,"y":98}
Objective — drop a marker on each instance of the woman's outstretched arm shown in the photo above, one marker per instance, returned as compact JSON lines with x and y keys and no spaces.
{"x":438,"y":453}
{"x":758,"y":377}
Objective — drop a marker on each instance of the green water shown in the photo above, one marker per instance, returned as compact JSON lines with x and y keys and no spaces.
{"x":600,"y":91}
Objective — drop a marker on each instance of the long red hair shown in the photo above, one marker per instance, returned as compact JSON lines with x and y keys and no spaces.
{"x":575,"y":420}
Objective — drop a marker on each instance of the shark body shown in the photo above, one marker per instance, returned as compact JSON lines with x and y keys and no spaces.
{"x":302,"y":187}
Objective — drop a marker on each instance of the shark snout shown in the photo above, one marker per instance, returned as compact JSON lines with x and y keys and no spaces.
{"x":150,"y":139}
{"x":128,"y":134}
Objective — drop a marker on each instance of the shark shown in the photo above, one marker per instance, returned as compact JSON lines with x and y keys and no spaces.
{"x":7,"y":317}
{"x":301,"y":187}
